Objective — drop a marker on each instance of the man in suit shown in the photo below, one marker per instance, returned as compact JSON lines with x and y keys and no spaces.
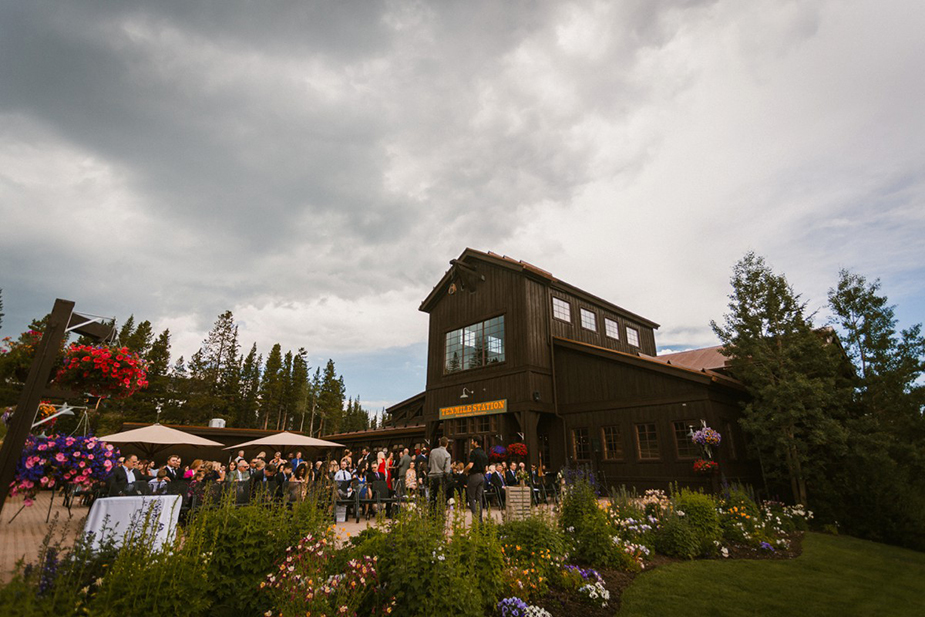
{"x":262,"y":480}
{"x":510,"y":476}
{"x":173,"y":468}
{"x":241,"y":472}
{"x":124,"y":477}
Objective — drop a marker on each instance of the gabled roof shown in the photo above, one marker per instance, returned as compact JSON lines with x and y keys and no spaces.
{"x":709,"y":358}
{"x":651,"y":363}
{"x":529,"y":270}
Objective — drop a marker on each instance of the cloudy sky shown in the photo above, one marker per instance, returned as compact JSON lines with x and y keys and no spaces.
{"x":313,"y":166}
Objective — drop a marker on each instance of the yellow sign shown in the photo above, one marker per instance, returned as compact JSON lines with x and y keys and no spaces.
{"x":473,"y":409}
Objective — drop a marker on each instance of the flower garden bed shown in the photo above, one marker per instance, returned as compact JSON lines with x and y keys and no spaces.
{"x":275,"y":560}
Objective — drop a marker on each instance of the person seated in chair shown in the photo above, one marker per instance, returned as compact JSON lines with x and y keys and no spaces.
{"x":510,"y":476}
{"x":124,"y":478}
{"x":159,"y":484}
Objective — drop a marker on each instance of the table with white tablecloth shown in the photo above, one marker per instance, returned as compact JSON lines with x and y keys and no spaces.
{"x":117,"y":517}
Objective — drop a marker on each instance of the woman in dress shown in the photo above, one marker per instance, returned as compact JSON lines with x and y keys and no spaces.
{"x":411,"y":480}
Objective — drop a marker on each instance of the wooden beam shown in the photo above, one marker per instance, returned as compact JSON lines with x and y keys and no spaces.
{"x":45,"y":355}
{"x":89,"y":326}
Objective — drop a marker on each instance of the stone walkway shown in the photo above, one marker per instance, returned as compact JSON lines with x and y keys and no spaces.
{"x":24,"y":536}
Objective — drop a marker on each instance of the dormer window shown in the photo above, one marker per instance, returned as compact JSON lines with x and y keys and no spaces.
{"x":632,"y":336}
{"x":475,"y":346}
{"x":561,"y":309}
{"x":588,"y":319}
{"x":611,"y":328}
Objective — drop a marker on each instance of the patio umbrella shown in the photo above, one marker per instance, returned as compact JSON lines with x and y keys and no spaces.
{"x":154,"y":438}
{"x":287,"y":439}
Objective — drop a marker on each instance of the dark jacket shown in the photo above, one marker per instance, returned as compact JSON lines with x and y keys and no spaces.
{"x":118,"y":481}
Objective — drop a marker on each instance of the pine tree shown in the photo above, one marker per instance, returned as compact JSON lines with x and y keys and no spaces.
{"x":140,"y":339}
{"x":127,"y":329}
{"x":887,"y":431}
{"x":331,"y":400}
{"x":889,"y":363}
{"x":299,"y":388}
{"x":270,"y":386}
{"x":246,"y":405}
{"x":313,"y":404}
{"x":790,"y":374}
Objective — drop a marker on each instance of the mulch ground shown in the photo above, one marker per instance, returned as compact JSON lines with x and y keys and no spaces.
{"x":561,"y":604}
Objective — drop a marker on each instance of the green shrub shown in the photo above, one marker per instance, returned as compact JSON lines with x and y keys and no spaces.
{"x":535,"y":541}
{"x":740,"y":519}
{"x":676,"y":538}
{"x":429,"y":575}
{"x":699,"y":511}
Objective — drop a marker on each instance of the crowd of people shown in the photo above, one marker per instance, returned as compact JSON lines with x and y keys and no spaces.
{"x":397,"y":472}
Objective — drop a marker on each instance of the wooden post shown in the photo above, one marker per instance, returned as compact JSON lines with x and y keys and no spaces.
{"x":39,"y":373}
{"x":62,"y":320}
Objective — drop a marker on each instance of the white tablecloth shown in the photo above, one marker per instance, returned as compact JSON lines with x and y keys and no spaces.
{"x":129,"y":514}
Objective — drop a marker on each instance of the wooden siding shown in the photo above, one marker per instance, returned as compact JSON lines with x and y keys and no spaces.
{"x":595,"y":393}
{"x":573,"y":330}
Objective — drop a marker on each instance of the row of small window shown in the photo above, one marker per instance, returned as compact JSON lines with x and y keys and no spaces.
{"x":647,"y":445}
{"x":472,"y":426}
{"x":562,"y":309}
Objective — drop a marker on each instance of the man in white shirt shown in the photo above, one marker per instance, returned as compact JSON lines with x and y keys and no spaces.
{"x":124,"y":476}
{"x":343,"y":479}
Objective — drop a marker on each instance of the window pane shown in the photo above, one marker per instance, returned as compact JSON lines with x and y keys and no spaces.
{"x":588,"y":320}
{"x":612,"y":328}
{"x":561,"y":309}
{"x":647,"y":440}
{"x":613,"y":442}
{"x":632,"y":336}
{"x":686,"y":447}
{"x":454,"y":360}
{"x":581,"y":444}
{"x":475,"y":346}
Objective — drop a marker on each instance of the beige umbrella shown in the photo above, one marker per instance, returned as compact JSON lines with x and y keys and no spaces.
{"x":287,"y":439}
{"x":154,"y":438}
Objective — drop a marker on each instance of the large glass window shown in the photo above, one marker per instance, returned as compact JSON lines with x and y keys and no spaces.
{"x":613,"y":443}
{"x":561,"y":310}
{"x":682,"y":438}
{"x":475,"y":346}
{"x":647,"y":441}
{"x":632,"y":336}
{"x":581,"y":443}
{"x":612,"y":328}
{"x":588,"y":319}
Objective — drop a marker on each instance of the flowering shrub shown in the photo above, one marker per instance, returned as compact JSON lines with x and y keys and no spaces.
{"x":17,"y":355}
{"x":595,"y":594}
{"x":497,"y":453}
{"x":515,"y":607}
{"x":103,"y":371}
{"x":304,"y":583}
{"x":59,"y":459}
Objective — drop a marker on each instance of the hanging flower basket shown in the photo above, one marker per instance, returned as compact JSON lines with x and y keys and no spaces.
{"x":705,"y":467}
{"x":47,"y":462}
{"x":46,"y":409}
{"x":103,"y":371}
{"x":497,"y":453}
{"x":517,"y":449}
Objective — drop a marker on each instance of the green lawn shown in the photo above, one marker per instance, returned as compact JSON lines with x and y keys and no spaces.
{"x":838,"y":576}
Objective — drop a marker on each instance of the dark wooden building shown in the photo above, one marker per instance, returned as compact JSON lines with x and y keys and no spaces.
{"x":515,"y":354}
